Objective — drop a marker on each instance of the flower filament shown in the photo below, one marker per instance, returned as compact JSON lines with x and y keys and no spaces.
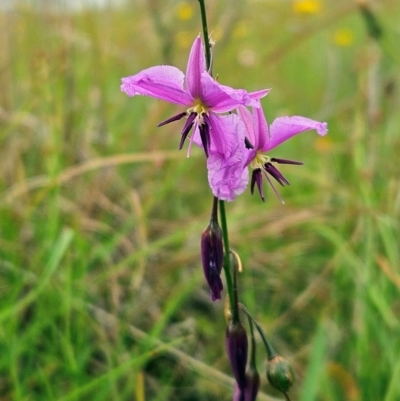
{"x":197,"y":116}
{"x":263,"y":164}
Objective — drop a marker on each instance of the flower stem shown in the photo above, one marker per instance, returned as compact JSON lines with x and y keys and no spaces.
{"x":270,"y":350}
{"x":235,"y":311}
{"x":227,"y":264}
{"x":227,"y":259}
{"x":253,"y":345}
{"x":214,"y":211}
{"x":205,"y":33}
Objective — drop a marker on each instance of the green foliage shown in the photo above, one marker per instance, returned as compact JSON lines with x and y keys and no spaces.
{"x":102,"y":293}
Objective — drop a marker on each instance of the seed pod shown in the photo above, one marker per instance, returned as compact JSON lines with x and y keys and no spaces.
{"x":279,"y":373}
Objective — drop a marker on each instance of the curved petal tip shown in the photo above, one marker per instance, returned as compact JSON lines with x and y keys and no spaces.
{"x":322,"y":128}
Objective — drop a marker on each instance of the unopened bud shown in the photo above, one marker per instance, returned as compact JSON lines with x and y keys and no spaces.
{"x":212,"y":256}
{"x":279,"y":373}
{"x":236,"y":348}
{"x":251,"y":388}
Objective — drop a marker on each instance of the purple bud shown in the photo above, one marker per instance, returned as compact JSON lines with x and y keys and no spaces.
{"x":251,"y":389}
{"x":212,"y":256}
{"x":236,"y":348}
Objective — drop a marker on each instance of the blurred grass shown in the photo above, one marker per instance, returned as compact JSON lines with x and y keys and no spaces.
{"x":101,"y":216}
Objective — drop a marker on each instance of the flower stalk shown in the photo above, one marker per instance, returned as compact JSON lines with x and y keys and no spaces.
{"x":227,"y":260}
{"x":227,"y":264}
{"x":236,"y":339}
{"x":271,"y":353}
{"x":207,"y":46}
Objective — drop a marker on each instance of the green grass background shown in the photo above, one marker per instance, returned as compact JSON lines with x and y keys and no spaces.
{"x":101,"y":289}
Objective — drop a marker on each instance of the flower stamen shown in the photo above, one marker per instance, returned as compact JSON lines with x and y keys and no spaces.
{"x":173,"y":118}
{"x":197,"y":116}
{"x":186,"y":129}
{"x":263,"y":164}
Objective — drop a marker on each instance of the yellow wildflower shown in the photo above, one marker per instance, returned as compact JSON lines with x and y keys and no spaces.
{"x":184,"y":11}
{"x":343,"y":37}
{"x":307,"y":6}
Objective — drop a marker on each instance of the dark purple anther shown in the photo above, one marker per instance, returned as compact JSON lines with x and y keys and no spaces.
{"x":171,"y":119}
{"x":186,"y":128}
{"x":274,"y":172}
{"x":286,"y":161}
{"x":205,"y":137}
{"x":256,"y":178}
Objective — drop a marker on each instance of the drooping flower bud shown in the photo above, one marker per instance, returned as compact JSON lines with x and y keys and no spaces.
{"x":236,"y":348}
{"x":280,"y":373}
{"x":212,"y":256}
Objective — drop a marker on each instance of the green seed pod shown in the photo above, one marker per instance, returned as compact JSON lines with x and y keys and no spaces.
{"x":279,"y":373}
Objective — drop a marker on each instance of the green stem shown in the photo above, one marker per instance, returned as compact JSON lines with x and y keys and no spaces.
{"x":227,"y":259}
{"x":270,"y":351}
{"x":235,"y":311}
{"x":205,"y":33}
{"x":214,"y":211}
{"x":227,"y":264}
{"x":253,"y":345}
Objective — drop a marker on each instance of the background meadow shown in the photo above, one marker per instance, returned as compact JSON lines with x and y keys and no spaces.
{"x":102,"y":295}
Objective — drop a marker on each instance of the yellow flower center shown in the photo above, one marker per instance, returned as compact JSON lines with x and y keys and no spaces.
{"x":259,"y":161}
{"x":200,"y":109}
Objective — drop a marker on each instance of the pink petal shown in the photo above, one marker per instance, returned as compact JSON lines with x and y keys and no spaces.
{"x":222,"y":130}
{"x":227,"y":174}
{"x":261,"y":128}
{"x":161,"y":82}
{"x":255,"y":96}
{"x":225,"y":132}
{"x":284,"y":128}
{"x":221,"y":99}
{"x":227,"y":177}
{"x":195,"y":67}
{"x":247,"y":120}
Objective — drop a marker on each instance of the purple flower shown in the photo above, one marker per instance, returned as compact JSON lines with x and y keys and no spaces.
{"x":202,"y":95}
{"x":259,"y":139}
